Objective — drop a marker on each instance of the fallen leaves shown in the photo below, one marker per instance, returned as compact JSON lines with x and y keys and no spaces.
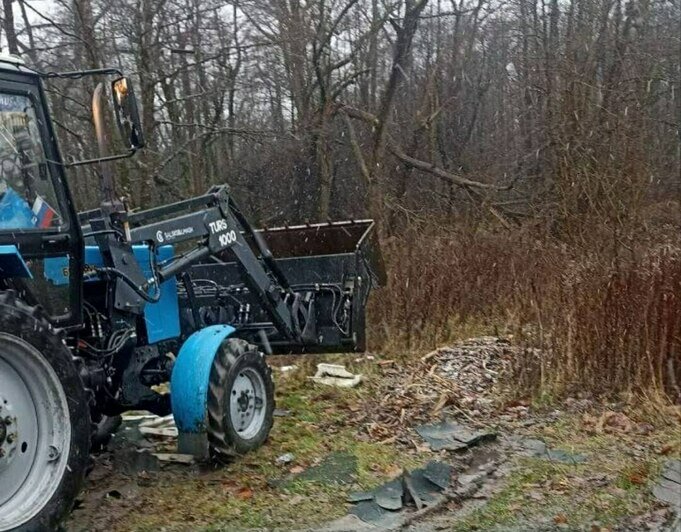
{"x":611,"y":422}
{"x":560,"y":519}
{"x":666,"y":449}
{"x":637,"y":478}
{"x":615,"y":423}
{"x":244,"y":493}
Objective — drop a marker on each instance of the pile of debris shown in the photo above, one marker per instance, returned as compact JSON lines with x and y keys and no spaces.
{"x":458,"y":381}
{"x":475,"y":366}
{"x":144,"y":443}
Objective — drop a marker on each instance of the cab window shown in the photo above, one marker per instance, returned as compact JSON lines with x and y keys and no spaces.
{"x":27,"y":196}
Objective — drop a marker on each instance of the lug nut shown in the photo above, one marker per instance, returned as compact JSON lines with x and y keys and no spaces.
{"x":53,"y":453}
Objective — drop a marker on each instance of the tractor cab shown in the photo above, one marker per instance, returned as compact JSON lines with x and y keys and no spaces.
{"x":37,"y":217}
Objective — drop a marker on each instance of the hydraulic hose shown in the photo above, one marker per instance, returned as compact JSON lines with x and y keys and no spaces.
{"x":127,"y":280}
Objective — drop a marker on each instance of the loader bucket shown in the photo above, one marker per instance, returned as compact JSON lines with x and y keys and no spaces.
{"x":336,"y":263}
{"x":354,"y":238}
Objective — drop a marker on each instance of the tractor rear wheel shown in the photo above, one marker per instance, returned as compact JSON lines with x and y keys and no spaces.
{"x":44,"y":421}
{"x":240,"y":400}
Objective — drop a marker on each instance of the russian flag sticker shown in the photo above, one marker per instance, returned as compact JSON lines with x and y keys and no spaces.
{"x":43,"y":214}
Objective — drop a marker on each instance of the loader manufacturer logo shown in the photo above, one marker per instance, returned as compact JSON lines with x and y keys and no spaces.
{"x":162,"y":236}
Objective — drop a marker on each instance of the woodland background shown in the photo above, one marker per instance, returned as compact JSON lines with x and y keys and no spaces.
{"x":522,"y":157}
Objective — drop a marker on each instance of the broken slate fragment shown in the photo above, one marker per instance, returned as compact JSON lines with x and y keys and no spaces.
{"x":558,"y":455}
{"x":533,"y":447}
{"x":138,"y":461}
{"x":418,"y":489}
{"x":668,"y":486}
{"x":672,"y":471}
{"x":439,"y":473}
{"x":175,"y":458}
{"x":360,"y":496}
{"x":347,"y":523}
{"x":369,"y":512}
{"x":335,"y":375}
{"x":538,"y":449}
{"x":475,"y":479}
{"x":389,"y":495}
{"x":670,"y":492}
{"x":452,"y":436}
{"x":469,"y":485}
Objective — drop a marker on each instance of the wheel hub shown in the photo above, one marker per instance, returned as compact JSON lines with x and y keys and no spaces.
{"x":247,"y":402}
{"x":244,"y":401}
{"x":35,"y":432}
{"x":9,"y":434}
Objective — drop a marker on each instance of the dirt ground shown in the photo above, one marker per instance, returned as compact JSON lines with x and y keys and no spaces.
{"x":597,"y":472}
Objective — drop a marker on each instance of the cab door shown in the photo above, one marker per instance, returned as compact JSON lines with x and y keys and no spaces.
{"x":37,"y":216}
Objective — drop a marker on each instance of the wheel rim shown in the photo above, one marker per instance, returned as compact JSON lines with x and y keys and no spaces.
{"x":247,"y":403}
{"x":35,"y":437}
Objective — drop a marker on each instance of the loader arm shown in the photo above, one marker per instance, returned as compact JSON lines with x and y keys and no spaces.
{"x":215,"y":224}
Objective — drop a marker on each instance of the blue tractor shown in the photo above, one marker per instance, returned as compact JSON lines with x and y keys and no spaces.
{"x":98,"y":308}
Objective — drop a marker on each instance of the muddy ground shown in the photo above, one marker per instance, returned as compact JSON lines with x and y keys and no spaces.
{"x":575,"y":465}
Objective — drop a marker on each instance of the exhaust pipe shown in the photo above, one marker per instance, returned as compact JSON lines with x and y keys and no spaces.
{"x":106,"y":172}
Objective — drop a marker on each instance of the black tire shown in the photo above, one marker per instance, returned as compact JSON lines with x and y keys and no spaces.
{"x":234,"y":358}
{"x":27,"y":326}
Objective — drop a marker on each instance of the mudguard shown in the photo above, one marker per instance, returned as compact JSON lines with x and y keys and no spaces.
{"x":189,"y":382}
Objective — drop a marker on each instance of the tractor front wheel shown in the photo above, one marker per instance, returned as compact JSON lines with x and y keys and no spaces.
{"x":44,"y":421}
{"x":240,"y":400}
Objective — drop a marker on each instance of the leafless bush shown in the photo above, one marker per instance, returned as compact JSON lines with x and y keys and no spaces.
{"x":444,"y":280}
{"x":607,"y":318}
{"x":612,"y":328}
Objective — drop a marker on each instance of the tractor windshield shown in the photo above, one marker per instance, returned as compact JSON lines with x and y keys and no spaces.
{"x":27,"y":196}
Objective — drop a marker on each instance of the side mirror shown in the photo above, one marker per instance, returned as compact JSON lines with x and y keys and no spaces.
{"x":127,"y":115}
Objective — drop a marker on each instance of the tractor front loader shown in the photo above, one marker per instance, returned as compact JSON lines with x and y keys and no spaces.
{"x":99,"y":307}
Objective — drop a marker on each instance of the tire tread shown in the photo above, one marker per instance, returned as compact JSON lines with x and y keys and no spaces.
{"x":223,"y":448}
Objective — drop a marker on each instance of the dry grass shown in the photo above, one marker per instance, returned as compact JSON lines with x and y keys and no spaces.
{"x":447,"y":283}
{"x":606,"y":313}
{"x":613,"y":327}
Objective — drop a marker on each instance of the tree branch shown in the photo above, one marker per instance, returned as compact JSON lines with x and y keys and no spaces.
{"x":418,"y":164}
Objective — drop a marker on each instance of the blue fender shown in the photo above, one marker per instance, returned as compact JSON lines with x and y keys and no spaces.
{"x":191,"y":373}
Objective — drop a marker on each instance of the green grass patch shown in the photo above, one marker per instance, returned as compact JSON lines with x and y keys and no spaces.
{"x":255,"y":492}
{"x":612,"y":484}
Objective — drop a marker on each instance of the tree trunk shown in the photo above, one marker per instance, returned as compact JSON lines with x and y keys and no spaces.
{"x":10,"y":32}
